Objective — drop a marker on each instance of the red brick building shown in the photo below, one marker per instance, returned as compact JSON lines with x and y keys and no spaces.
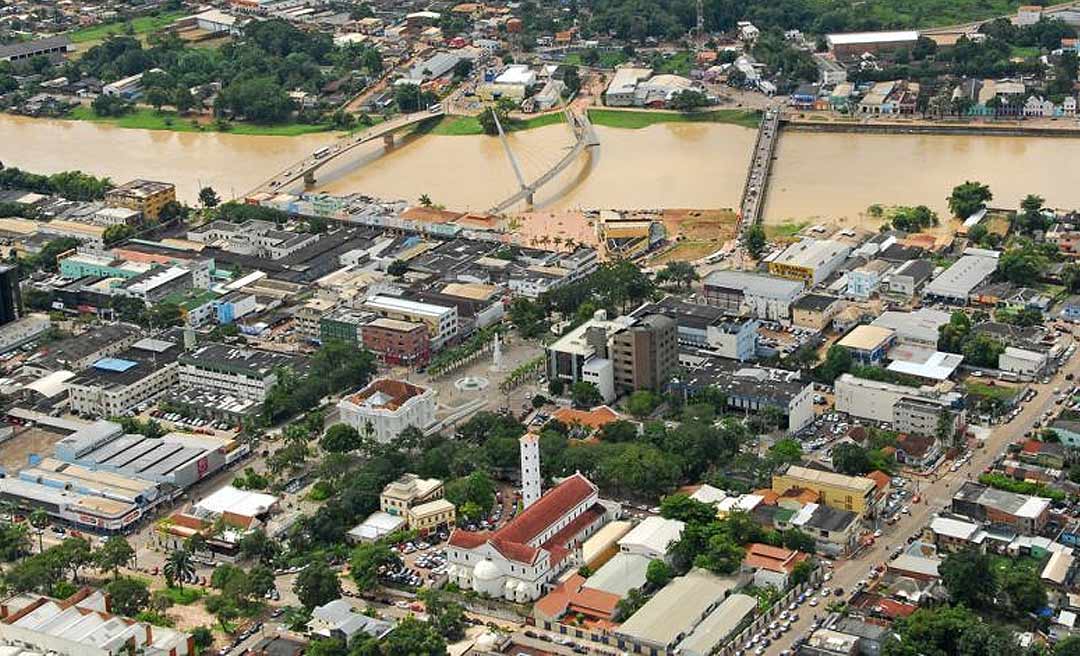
{"x":398,"y":342}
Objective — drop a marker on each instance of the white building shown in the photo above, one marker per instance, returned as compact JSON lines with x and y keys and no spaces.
{"x":521,"y":560}
{"x":877,"y":401}
{"x":240,"y":372}
{"x":621,"y":90}
{"x":967,"y":273}
{"x":441,"y":321}
{"x":386,"y":407}
{"x":1023,"y":362}
{"x":765,"y":297}
{"x":652,"y":538}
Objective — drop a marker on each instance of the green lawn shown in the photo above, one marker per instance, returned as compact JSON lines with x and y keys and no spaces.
{"x":182,"y":597}
{"x":140,"y":25}
{"x":1024,"y":52}
{"x":608,"y":59}
{"x":634,"y":120}
{"x":462,"y":126}
{"x":677,"y":64}
{"x":911,"y":14}
{"x":149,"y":119}
{"x":999,"y":392}
{"x":787,"y":229}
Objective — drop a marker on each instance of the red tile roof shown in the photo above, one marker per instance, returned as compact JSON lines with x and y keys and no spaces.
{"x":775,"y":559}
{"x":894,"y":608}
{"x":880,"y":478}
{"x":512,"y":540}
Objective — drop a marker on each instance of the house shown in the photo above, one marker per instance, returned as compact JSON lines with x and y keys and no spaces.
{"x":835,"y":531}
{"x":1044,"y":454}
{"x":1025,"y":514}
{"x":868,"y":344}
{"x":338,"y":619}
{"x":771,"y":565}
{"x":953,"y":534}
{"x":917,"y":451}
{"x":816,"y":311}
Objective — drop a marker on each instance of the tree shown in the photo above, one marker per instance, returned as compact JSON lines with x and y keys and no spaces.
{"x":969,"y":578}
{"x":688,"y":100}
{"x":630,"y":604}
{"x":178,"y":567}
{"x":801,"y":573}
{"x":1025,"y":591}
{"x":257,"y":545}
{"x":528,"y":317}
{"x":208,"y":198}
{"x":114,"y":554}
{"x":317,"y":585}
{"x":157,"y":97}
{"x":128,"y":596}
{"x":969,"y":197}
{"x":657,"y":574}
{"x":795,"y":539}
{"x":755,"y":240}
{"x":683,"y":274}
{"x":474,"y":495}
{"x":851,"y":459}
{"x":495,"y":116}
{"x":202,"y":636}
{"x":366,"y":561}
{"x":39,"y":519}
{"x":115,"y":234}
{"x":1068,"y":647}
{"x":641,"y":403}
{"x":341,"y":438}
{"x":838,"y":361}
{"x":684,"y":509}
{"x":585,"y":394}
{"x":397,"y":268}
{"x":414,"y":638}
{"x":448,"y":617}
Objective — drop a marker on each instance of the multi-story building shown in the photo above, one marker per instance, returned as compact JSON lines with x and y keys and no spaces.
{"x":877,"y":401}
{"x":419,"y":501}
{"x":919,"y":416}
{"x":10,"y":298}
{"x":809,"y":260}
{"x":748,"y":388}
{"x":816,"y":311}
{"x":441,"y":321}
{"x":857,"y":494}
{"x":144,"y":196}
{"x":863,"y":282}
{"x":241,"y":372}
{"x":344,"y":325}
{"x":397,"y":342}
{"x":908,"y":279}
{"x":113,"y":385}
{"x":386,"y":407}
{"x":645,"y":354}
{"x":157,"y":284}
{"x":309,"y":316}
{"x":868,"y":344}
{"x":1024,"y":514}
{"x":764,"y":297}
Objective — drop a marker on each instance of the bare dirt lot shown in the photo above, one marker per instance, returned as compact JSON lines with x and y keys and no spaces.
{"x":27,"y":441}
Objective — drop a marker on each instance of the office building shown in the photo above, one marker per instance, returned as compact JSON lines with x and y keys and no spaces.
{"x":645,"y":354}
{"x":878,"y":401}
{"x":397,"y":342}
{"x":113,"y":385}
{"x":441,"y":321}
{"x":419,"y":502}
{"x":749,"y":388}
{"x":240,"y":372}
{"x":144,"y":196}
{"x":386,"y":407}
{"x":10,"y":296}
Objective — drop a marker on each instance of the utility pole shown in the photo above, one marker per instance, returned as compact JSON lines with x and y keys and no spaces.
{"x":700,"y":24}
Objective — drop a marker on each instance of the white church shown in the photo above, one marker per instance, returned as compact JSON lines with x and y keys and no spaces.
{"x":519,"y":560}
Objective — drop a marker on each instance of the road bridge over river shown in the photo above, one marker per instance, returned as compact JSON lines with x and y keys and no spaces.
{"x":306,"y":168}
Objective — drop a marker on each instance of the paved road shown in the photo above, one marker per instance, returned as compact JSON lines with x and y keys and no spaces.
{"x":936,"y":494}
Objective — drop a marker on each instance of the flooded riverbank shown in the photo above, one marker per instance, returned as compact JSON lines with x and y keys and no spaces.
{"x":231,"y":164}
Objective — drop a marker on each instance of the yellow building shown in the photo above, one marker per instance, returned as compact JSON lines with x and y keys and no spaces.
{"x":144,"y":196}
{"x":430,"y":516}
{"x":854,"y":493}
{"x":809,"y":260}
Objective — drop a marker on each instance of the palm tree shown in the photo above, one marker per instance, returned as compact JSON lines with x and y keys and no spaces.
{"x":178,"y":566}
{"x":39,"y":519}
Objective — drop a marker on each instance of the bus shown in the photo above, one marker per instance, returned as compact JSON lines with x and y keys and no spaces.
{"x":322,"y":152}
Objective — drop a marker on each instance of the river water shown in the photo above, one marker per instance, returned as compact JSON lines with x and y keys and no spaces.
{"x":835,"y":176}
{"x":828,"y":176}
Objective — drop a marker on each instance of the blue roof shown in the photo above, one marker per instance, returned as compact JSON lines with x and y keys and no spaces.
{"x":114,"y":364}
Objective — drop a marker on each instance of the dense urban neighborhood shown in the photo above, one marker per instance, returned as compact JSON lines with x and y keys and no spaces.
{"x":296,"y":417}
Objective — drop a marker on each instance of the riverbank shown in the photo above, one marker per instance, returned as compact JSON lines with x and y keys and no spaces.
{"x":636,"y":119}
{"x":467,"y":126}
{"x":941,"y":128}
{"x":149,"y":119}
{"x":139,"y":25}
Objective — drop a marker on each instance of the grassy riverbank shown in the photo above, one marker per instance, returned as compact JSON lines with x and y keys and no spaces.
{"x":464,"y":126}
{"x":149,"y":119}
{"x":635,"y":120}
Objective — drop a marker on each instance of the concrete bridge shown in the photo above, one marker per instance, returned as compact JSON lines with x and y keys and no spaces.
{"x":584,"y":137}
{"x":757,"y":177}
{"x":306,"y":168}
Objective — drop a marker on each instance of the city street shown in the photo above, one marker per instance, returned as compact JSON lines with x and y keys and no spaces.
{"x":936,"y":495}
